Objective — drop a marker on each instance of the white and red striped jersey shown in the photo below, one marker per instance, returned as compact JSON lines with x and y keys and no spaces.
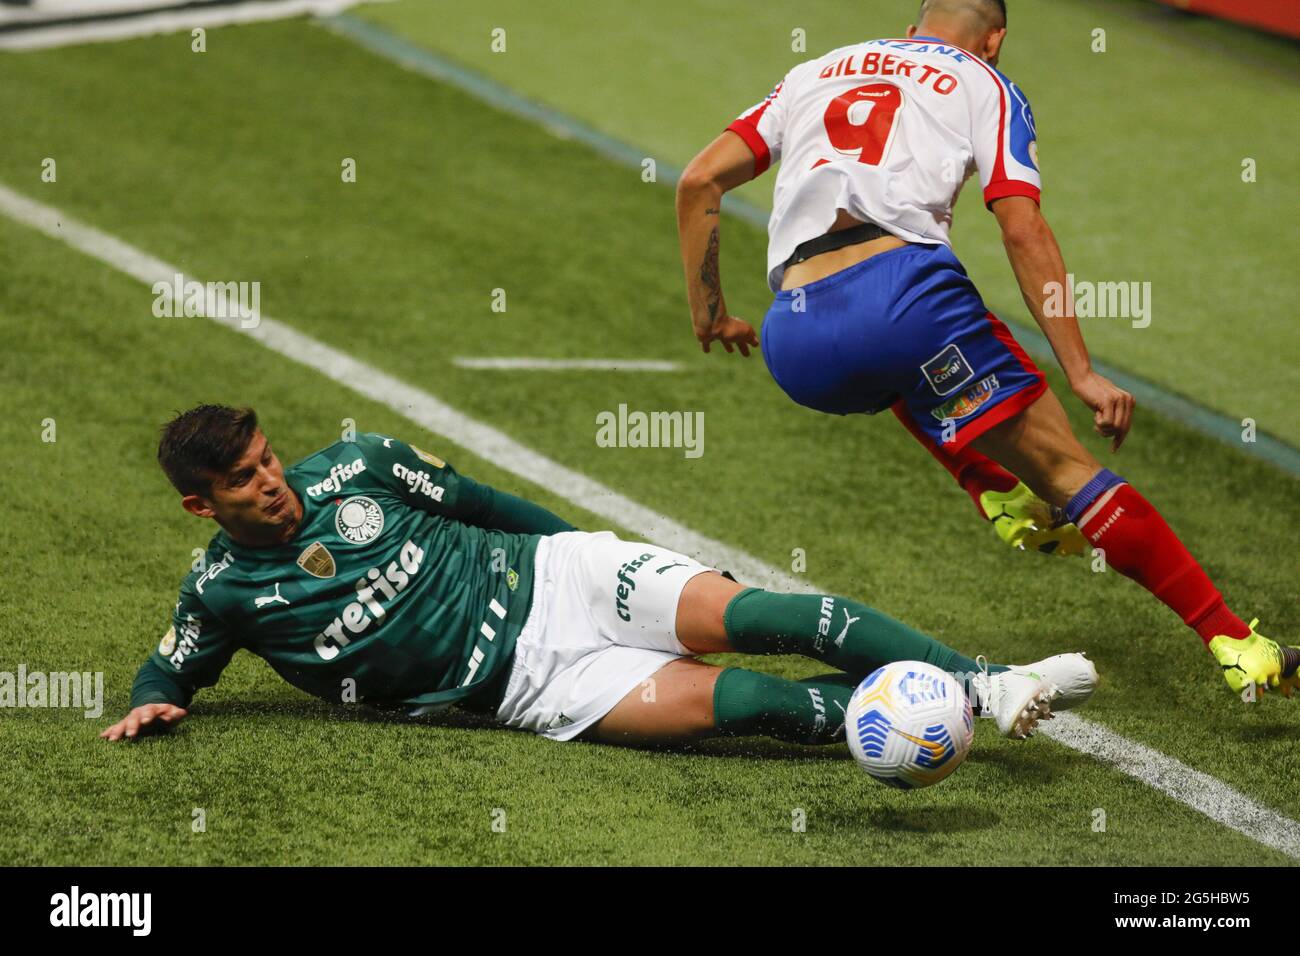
{"x":889,"y":131}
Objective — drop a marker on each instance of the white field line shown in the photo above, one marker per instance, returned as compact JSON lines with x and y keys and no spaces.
{"x":565,"y":365}
{"x":407,"y":400}
{"x":161,"y":21}
{"x":1203,"y":793}
{"x":1200,"y":791}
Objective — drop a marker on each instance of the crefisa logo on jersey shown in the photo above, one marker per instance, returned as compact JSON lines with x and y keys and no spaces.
{"x":359,"y":520}
{"x":339,"y":473}
{"x":419,"y":481}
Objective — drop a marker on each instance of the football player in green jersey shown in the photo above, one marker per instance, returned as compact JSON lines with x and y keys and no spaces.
{"x":372,"y":571}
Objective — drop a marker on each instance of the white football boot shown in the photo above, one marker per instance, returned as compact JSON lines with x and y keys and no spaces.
{"x":1017,"y":699}
{"x":1074,"y":675}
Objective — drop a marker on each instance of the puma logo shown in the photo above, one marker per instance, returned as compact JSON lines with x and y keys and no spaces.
{"x":839,"y":641}
{"x":838,"y":732}
{"x":270,"y":598}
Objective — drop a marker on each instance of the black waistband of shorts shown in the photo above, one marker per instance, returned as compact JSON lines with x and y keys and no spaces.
{"x":835,"y":240}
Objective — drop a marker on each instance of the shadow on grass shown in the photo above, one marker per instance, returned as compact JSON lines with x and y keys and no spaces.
{"x":923,"y":820}
{"x":1021,"y":763}
{"x":1264,"y":731}
{"x":314,"y":711}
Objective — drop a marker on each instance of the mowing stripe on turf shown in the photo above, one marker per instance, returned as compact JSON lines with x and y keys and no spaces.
{"x":35,"y":29}
{"x":565,"y":365}
{"x":427,"y":63}
{"x":1195,"y":789}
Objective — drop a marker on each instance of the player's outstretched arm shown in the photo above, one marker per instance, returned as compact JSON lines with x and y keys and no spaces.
{"x":427,"y":482}
{"x":146,"y":718}
{"x":1040,"y":268}
{"x":159,"y":702}
{"x":166,"y":682}
{"x":485,"y":506}
{"x":723,"y":165}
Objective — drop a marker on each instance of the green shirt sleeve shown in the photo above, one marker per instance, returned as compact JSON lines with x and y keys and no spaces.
{"x":486,"y":507}
{"x":153,"y":685}
{"x":192,"y":654}
{"x":429,"y":483}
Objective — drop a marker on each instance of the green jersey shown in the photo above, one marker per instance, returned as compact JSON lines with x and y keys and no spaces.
{"x":404,"y":583}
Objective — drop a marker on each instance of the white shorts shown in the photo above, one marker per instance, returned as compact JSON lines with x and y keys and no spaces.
{"x":603,"y":619}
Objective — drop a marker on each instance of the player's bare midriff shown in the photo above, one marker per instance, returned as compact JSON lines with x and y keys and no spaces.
{"x":829,"y":263}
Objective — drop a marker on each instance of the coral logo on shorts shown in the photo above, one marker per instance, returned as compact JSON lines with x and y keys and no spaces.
{"x":968,"y":402}
{"x":948,"y":371}
{"x":359,"y":520}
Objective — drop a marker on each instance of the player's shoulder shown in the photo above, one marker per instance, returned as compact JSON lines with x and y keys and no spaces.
{"x":348,"y":462}
{"x":808,"y":69}
{"x":1009,"y":84}
{"x":370,"y":463}
{"x":342,"y":451}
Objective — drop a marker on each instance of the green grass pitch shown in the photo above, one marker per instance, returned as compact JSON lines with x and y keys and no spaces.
{"x":227,"y":164}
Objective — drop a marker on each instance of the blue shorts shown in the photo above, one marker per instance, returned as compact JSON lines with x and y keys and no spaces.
{"x":905,"y":328}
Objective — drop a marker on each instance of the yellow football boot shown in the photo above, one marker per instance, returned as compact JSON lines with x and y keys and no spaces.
{"x":1027,"y":522}
{"x":1256,"y":661}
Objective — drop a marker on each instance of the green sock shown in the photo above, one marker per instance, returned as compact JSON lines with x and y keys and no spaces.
{"x":810,"y":711}
{"x":841,"y":632}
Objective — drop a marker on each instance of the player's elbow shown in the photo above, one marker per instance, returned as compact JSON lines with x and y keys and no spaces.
{"x":1024,"y":232}
{"x":1021,"y":222}
{"x":697,"y":180}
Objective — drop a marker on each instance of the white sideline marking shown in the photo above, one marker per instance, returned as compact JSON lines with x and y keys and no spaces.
{"x":411,"y":402}
{"x":161,"y":21}
{"x":1198,"y":790}
{"x":1203,"y":793}
{"x":564,"y":365}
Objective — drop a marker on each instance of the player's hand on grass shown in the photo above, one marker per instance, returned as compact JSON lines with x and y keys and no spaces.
{"x":732,"y":332}
{"x":147,"y":718}
{"x":1112,"y":407}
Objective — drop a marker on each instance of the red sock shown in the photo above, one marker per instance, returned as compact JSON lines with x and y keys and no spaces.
{"x":975,"y":473}
{"x":1139,"y":545}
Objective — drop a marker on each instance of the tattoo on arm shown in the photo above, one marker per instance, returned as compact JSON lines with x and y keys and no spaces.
{"x":710,"y":276}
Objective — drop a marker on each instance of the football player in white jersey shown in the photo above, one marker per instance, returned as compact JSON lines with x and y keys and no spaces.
{"x":874,"y":311}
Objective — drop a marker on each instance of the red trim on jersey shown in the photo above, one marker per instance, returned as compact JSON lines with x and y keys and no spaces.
{"x":754,"y":140}
{"x":1011,"y":187}
{"x":999,"y":166}
{"x":999,"y":178}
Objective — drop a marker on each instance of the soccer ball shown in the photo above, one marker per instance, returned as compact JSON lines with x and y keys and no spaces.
{"x":909,"y":724}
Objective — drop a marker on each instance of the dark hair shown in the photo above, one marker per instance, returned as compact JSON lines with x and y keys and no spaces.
{"x":1000,"y":4}
{"x":204,"y":441}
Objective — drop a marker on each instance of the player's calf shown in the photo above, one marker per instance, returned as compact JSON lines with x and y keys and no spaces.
{"x":836,"y":630}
